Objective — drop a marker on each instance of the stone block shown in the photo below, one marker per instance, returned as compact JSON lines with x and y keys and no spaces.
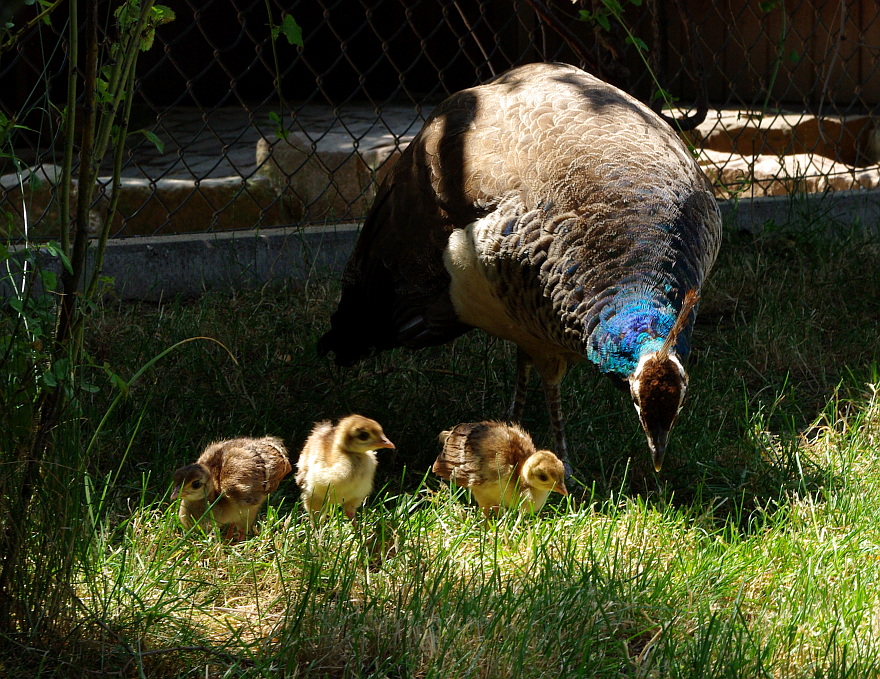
{"x":29,"y":203}
{"x":735,"y":175}
{"x":329,"y":176}
{"x":841,"y":138}
{"x":166,"y":206}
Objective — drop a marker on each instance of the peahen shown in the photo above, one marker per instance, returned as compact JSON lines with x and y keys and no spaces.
{"x":550,"y":209}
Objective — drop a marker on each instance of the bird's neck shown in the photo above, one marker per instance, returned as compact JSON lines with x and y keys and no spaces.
{"x":632,"y":324}
{"x":195,"y":508}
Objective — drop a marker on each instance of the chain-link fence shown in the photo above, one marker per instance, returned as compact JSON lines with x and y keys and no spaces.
{"x":255,"y":132}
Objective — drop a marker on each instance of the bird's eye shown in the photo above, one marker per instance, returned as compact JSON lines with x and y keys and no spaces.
{"x":196,"y":485}
{"x":543,"y":477}
{"x":363,"y":435}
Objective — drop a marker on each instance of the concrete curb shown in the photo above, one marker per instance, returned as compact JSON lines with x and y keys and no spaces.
{"x":161,"y":267}
{"x":155,"y":268}
{"x":858,"y":207}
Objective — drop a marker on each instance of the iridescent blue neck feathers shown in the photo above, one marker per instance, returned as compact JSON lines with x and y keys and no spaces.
{"x":631,"y":325}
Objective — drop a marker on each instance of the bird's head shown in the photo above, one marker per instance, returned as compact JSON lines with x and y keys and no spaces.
{"x":361,"y":434}
{"x":544,"y":471}
{"x":193,"y":483}
{"x":658,"y":386}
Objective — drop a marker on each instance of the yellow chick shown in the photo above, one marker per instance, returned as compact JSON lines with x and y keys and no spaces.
{"x":338,"y":463}
{"x":241,"y":473}
{"x":499,"y":464}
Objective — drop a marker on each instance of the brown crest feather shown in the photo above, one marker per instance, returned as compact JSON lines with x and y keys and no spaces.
{"x":690,"y":300}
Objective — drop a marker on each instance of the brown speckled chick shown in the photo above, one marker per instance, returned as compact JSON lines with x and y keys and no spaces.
{"x":241,"y":473}
{"x":499,"y":464}
{"x":337,"y":464}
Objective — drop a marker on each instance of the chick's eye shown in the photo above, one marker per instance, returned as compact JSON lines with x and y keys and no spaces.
{"x":543,"y":477}
{"x":362,"y":436}
{"x":196,"y":485}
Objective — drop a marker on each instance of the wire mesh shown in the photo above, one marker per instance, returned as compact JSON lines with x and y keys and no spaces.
{"x":256,"y":132}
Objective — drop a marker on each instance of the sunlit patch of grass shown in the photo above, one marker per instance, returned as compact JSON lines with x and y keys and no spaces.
{"x":755,"y":552}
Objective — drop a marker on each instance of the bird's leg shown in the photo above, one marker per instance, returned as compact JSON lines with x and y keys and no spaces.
{"x":523,"y":369}
{"x":551,"y":368}
{"x":554,"y":406}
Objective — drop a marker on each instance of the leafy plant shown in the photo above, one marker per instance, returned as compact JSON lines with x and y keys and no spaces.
{"x":293,"y":34}
{"x":46,"y":295}
{"x":614,"y":9}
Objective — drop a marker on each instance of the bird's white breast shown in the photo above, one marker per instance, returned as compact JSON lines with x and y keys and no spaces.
{"x":468,"y":259}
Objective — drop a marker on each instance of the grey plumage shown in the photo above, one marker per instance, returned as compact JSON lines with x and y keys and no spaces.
{"x":551,"y":209}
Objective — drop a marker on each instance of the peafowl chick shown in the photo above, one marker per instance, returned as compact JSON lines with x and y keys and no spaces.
{"x":338,"y":463}
{"x":241,"y":473}
{"x":548,"y":208}
{"x":500,"y":465}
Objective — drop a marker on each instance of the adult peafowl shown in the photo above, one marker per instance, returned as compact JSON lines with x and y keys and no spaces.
{"x":550,"y":209}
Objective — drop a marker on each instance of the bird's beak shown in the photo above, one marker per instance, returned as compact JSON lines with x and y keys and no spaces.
{"x":386,"y":443}
{"x":657,"y":439}
{"x":561,"y":489}
{"x":175,"y":493}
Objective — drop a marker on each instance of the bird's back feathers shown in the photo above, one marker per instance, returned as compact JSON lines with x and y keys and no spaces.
{"x":546,"y":207}
{"x":476,"y":453}
{"x":246,"y":469}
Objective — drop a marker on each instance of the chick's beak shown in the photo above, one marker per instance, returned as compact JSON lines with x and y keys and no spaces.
{"x":386,"y":443}
{"x":561,"y":489}
{"x":175,"y":493}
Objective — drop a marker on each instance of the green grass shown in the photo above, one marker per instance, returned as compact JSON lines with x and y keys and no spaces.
{"x":755,"y":552}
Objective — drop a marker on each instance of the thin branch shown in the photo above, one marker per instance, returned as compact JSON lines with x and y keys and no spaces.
{"x":14,"y":38}
{"x":565,"y":33}
{"x":85,"y":182}
{"x":69,"y":127}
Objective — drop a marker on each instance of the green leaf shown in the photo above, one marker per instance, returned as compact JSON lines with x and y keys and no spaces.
{"x":613,"y":6}
{"x":162,"y":14}
{"x":50,"y":280}
{"x":665,"y":95}
{"x":55,"y":250}
{"x":160,"y":146}
{"x":290,"y":29}
{"x":639,"y":44}
{"x":278,"y":124}
{"x":49,"y":379}
{"x":102,"y":91}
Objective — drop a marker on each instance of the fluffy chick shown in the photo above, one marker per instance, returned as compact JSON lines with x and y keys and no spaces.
{"x":338,"y":463}
{"x":234,"y":476}
{"x":499,"y":463}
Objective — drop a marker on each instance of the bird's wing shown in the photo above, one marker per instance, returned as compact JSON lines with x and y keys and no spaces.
{"x":395,"y":284}
{"x":470,"y":456}
{"x":276,"y":460}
